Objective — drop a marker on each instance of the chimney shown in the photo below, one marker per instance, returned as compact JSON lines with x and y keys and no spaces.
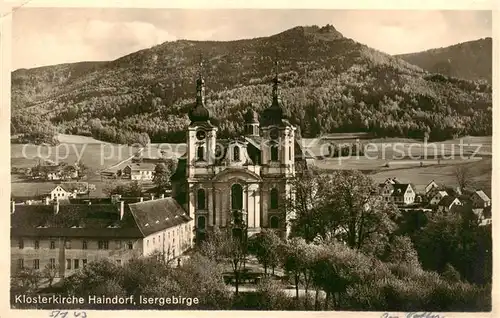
{"x":13,"y":206}
{"x":162,"y":196}
{"x":122,"y":209}
{"x":56,"y":207}
{"x":47,"y":200}
{"x":141,"y":199}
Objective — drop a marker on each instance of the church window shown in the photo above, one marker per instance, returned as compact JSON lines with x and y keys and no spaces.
{"x":274,"y":198}
{"x":274,"y":152}
{"x":201,"y":199}
{"x":201,"y":222}
{"x":237,"y":197}
{"x":236,"y":153}
{"x":274,"y":222}
{"x":201,"y":153}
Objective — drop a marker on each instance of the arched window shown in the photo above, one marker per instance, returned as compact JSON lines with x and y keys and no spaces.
{"x":236,"y":153}
{"x":201,"y":222}
{"x":200,"y":155}
{"x":237,"y":197}
{"x":274,"y":198}
{"x":274,"y":152}
{"x":201,"y":199}
{"x":275,"y":222}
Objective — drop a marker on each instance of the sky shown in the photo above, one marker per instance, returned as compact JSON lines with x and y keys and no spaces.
{"x":47,"y":36}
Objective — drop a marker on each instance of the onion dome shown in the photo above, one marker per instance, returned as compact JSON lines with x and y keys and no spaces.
{"x":199,"y":114}
{"x":251,"y":117}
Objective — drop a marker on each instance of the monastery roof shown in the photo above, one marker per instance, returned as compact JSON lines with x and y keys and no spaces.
{"x":156,"y":215}
{"x":72,"y":220}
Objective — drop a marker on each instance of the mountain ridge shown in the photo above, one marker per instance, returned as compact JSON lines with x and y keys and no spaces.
{"x":471,"y":60}
{"x":330,"y":83}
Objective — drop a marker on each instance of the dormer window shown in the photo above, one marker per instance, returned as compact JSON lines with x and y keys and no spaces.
{"x":236,"y":153}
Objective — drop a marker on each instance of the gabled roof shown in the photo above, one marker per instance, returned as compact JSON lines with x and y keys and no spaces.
{"x":400,"y":188}
{"x":441,"y":192}
{"x":482,"y":195}
{"x":447,"y":200}
{"x":156,"y":215}
{"x":72,"y":220}
{"x":62,"y":187}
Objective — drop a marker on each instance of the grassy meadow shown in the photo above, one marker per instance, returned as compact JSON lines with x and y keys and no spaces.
{"x":408,"y":160}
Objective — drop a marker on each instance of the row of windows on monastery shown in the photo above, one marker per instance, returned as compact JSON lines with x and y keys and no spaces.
{"x":102,"y":245}
{"x":183,"y":231}
{"x":70,"y":264}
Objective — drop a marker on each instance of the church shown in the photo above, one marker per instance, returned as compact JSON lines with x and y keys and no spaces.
{"x":243,"y":183}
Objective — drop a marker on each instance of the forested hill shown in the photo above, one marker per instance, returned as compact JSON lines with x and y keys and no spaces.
{"x":330,"y":84}
{"x":470,"y":60}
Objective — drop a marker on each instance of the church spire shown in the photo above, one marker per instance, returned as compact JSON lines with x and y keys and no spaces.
{"x":276,"y":86}
{"x":200,"y":85}
{"x":199,"y":113}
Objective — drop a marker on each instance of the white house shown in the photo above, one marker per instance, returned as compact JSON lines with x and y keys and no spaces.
{"x":61,"y":192}
{"x":140,"y":171}
{"x":403,"y":193}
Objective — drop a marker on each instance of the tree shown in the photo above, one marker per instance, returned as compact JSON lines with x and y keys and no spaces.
{"x":50,"y":273}
{"x":202,"y":277}
{"x":265,"y":246}
{"x":26,"y":280}
{"x":463,"y":176}
{"x":68,"y":172}
{"x":343,"y":204}
{"x":83,"y":170}
{"x":401,"y":250}
{"x":143,"y":139}
{"x":162,"y":174}
{"x":222,"y":246}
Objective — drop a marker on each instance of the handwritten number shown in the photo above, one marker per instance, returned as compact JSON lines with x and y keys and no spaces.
{"x":64,"y":314}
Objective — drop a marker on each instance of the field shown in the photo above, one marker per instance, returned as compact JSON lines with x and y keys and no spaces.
{"x":408,"y":160}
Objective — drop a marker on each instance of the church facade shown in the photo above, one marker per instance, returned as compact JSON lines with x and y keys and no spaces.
{"x":243,"y":183}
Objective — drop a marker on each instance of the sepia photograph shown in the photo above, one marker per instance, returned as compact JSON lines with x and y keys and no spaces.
{"x":251,"y":159}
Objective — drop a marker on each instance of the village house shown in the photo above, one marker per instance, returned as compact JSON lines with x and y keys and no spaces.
{"x":60,"y":192}
{"x":403,"y":193}
{"x":437,"y":197}
{"x":68,"y":236}
{"x":447,"y":203}
{"x":430,"y":187}
{"x":68,"y":190}
{"x":387,"y":187}
{"x":480,"y":199}
{"x":140,"y":171}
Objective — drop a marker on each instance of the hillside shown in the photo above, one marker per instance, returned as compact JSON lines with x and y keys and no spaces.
{"x":330,"y":84}
{"x":469,"y":60}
